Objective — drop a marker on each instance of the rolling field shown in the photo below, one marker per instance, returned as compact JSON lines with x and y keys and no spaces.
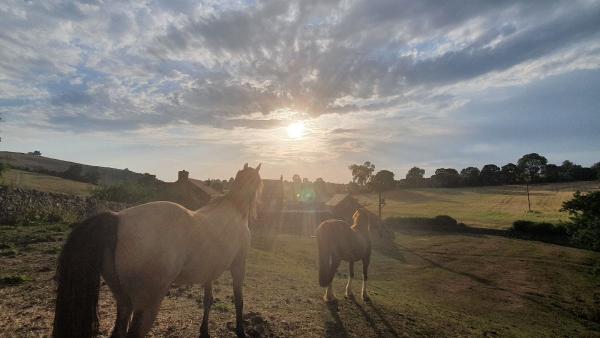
{"x":47,"y":183}
{"x":493,"y":207}
{"x":426,"y":284}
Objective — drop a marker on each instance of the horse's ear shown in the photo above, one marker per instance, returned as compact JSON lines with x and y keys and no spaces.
{"x":258,"y":167}
{"x":246,"y":166}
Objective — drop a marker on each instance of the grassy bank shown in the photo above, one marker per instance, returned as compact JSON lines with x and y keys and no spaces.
{"x":36,"y":181}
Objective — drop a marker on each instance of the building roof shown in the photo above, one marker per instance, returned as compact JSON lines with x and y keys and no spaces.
{"x":208,"y":190}
{"x":336,"y":199}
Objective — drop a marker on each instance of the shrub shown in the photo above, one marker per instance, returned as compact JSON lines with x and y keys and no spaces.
{"x":444,"y":220}
{"x":584,"y":225}
{"x":539,"y":228}
{"x":126,"y":193}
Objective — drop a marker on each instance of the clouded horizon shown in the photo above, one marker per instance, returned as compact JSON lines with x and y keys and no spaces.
{"x":160,"y":86}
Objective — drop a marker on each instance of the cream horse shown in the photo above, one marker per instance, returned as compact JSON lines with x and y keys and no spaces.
{"x":337,"y":242}
{"x":141,"y":251}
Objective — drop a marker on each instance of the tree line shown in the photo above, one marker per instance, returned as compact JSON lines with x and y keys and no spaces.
{"x":530,"y":168}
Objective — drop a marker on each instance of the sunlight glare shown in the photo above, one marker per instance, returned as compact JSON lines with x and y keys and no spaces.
{"x":296,"y":130}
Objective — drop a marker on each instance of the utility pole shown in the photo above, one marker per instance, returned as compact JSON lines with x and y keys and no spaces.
{"x":380,"y":204}
{"x":528,"y":200}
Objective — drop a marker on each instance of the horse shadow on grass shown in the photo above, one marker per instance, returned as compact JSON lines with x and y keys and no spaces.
{"x":336,"y":327}
{"x":370,"y":312}
{"x":388,"y":329}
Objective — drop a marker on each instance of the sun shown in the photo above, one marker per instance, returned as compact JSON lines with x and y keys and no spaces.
{"x":296,"y":130}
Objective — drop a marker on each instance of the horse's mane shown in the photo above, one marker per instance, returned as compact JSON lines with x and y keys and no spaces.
{"x":361,"y":220}
{"x":244,"y":193}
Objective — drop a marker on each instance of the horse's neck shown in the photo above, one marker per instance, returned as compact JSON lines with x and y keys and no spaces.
{"x":361,"y":230}
{"x":222,"y":214}
{"x":240,"y":202}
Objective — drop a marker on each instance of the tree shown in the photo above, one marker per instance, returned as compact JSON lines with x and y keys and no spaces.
{"x":470,"y":176}
{"x":361,"y":173}
{"x":584,"y":225}
{"x":446,"y":177}
{"x":35,"y":152}
{"x":415,"y":173}
{"x":382,"y":181}
{"x":596,"y":167}
{"x":352,"y":187}
{"x":414,"y":177}
{"x":580,"y":173}
{"x":296,"y":179}
{"x":491,"y":175}
{"x":532,"y":165}
{"x":553,"y":173}
{"x":510,"y":173}
{"x":320,"y":187}
{"x":217,"y":185}
{"x":566,"y":170}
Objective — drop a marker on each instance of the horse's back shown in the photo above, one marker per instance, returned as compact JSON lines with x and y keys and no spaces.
{"x":345,"y":242}
{"x":152,"y":244}
{"x":333,"y":223}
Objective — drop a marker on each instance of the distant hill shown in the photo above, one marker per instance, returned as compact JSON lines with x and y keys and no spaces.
{"x":36,"y":163}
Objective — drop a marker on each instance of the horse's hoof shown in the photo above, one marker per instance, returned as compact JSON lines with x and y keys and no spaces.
{"x":349,"y":295}
{"x":204,"y":335}
{"x":240,"y":334}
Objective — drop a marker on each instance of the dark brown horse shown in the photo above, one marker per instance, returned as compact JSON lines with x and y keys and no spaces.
{"x":337,"y":242}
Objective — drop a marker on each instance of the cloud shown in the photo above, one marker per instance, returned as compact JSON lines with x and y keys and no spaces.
{"x":380,"y":72}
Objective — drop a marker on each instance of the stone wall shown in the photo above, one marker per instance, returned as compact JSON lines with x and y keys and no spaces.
{"x":19,"y":205}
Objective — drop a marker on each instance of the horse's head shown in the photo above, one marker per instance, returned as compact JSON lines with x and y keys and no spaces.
{"x":247,"y":187}
{"x":361,"y":219}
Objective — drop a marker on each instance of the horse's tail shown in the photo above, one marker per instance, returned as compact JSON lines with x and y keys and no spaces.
{"x":78,"y":275}
{"x":325,"y":253}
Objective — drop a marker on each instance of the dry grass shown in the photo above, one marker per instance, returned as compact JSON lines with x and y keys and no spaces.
{"x":494,"y":207}
{"x":42,"y":182}
{"x":426,"y":285}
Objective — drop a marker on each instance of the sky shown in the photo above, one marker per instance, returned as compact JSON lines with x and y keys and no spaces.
{"x":305,"y":87}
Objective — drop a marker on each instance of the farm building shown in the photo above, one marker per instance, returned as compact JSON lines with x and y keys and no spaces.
{"x":192,"y":194}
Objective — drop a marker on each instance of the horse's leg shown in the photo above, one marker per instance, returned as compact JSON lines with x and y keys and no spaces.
{"x":142,"y":321}
{"x":335,"y":264}
{"x":207,"y":302}
{"x":124,"y":311}
{"x":350,"y":277}
{"x":238,"y":271}
{"x":365,"y":264}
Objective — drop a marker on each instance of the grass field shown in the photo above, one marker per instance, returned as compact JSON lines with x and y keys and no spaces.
{"x":494,"y":207}
{"x":41,"y":182}
{"x":427,"y":284}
